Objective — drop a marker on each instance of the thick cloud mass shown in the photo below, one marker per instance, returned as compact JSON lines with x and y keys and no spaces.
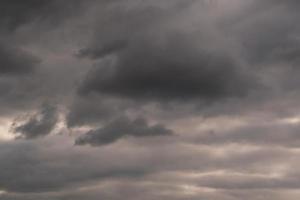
{"x":178,"y":69}
{"x":142,"y":99}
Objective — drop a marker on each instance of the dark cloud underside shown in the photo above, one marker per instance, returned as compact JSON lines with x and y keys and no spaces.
{"x":178,"y":69}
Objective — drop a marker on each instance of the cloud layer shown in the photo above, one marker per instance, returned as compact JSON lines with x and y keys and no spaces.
{"x":130,"y":99}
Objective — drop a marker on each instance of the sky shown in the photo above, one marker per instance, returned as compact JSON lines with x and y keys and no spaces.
{"x":149,"y":99}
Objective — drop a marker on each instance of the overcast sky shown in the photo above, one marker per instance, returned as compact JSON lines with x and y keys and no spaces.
{"x":149,"y":99}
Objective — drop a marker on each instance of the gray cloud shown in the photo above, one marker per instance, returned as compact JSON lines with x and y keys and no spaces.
{"x":177,"y":70}
{"x":255,"y":134}
{"x":121,"y":128}
{"x":38,"y":125}
{"x":268,"y":32}
{"x":92,"y":110}
{"x":24,"y":77}
{"x":42,"y":166}
{"x":54,"y":168}
{"x":217,"y":81}
{"x":106,"y":49}
{"x":151,"y":59}
{"x":163,"y":60}
{"x":16,"y":13}
{"x":31,"y":168}
{"x":15,"y":61}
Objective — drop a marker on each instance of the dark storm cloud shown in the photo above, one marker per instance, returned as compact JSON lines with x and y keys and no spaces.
{"x":38,"y":125}
{"x":148,"y":54}
{"x":176,"y":70}
{"x":121,"y":128}
{"x":15,"y":13}
{"x":14,"y":61}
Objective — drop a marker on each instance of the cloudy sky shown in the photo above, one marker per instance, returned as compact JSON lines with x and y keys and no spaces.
{"x":149,"y":99}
